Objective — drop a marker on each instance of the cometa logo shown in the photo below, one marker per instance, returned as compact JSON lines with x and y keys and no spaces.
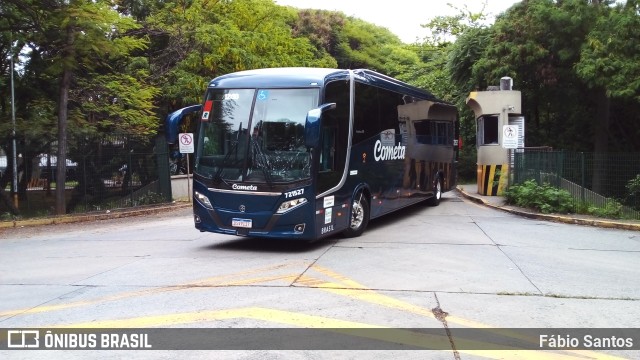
{"x":382,"y":153}
{"x":244,"y":187}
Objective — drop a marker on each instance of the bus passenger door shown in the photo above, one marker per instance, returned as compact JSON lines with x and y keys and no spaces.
{"x":328,"y":150}
{"x":328,"y":174}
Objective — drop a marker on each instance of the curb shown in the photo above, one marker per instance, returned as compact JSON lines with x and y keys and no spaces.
{"x":555,"y":218}
{"x":116,"y":214}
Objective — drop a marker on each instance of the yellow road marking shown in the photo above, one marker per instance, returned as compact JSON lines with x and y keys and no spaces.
{"x":256,"y":313}
{"x":360,"y":292}
{"x":399,"y":336}
{"x":342,"y":286}
{"x":204,"y":283}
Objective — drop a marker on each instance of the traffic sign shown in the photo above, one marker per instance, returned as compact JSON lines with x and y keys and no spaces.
{"x":510,"y":136}
{"x":186,"y":143}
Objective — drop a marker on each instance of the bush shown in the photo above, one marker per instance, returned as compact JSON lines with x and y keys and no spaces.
{"x":6,"y":216}
{"x":612,"y":209}
{"x":633,"y":193}
{"x":544,"y":198}
{"x":150,"y":198}
{"x":633,"y":186}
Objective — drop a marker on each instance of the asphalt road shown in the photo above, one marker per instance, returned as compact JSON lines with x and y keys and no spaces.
{"x":450,"y":268}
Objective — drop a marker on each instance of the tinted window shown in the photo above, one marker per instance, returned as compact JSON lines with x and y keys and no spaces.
{"x":335,"y":136}
{"x":375,"y":110}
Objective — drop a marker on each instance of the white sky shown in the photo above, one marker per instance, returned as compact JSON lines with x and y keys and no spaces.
{"x":402,"y":17}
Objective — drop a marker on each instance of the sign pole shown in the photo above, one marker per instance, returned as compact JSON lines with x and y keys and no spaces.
{"x":186,"y":147}
{"x":510,"y":135}
{"x":188,"y":180}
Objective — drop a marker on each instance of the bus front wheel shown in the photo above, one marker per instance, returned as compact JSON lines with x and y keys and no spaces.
{"x":359,"y":216}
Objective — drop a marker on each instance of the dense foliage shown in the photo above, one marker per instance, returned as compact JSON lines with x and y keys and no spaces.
{"x":548,"y":199}
{"x":87,"y":67}
{"x":544,"y":198}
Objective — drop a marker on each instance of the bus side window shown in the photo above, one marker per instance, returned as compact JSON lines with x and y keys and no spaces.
{"x":388,"y":104}
{"x":423,"y":131}
{"x":366,"y":117}
{"x":441,"y":132}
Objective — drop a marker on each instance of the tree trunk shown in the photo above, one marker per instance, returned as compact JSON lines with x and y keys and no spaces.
{"x":61,"y":161}
{"x":4,"y":180}
{"x":601,"y":140}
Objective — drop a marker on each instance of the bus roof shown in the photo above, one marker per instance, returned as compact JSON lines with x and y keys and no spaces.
{"x":391,"y":84}
{"x":310,"y":77}
{"x":278,"y":77}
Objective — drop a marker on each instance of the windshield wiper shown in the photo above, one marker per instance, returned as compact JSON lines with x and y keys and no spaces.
{"x":261,"y":160}
{"x":217,"y":176}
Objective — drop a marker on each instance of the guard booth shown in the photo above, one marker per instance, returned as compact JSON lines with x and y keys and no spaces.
{"x":499,"y":132}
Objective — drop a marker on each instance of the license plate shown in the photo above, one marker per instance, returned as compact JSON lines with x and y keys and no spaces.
{"x":241,"y":223}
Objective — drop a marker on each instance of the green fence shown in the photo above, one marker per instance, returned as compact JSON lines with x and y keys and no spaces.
{"x":603,"y":180}
{"x":107,"y":173}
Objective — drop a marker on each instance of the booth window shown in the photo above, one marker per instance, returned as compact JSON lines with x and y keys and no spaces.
{"x":488,"y":130}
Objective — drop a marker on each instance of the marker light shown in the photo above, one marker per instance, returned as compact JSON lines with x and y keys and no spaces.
{"x":290,"y":205}
{"x":203,"y":200}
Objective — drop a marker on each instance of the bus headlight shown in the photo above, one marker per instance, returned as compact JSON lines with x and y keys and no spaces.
{"x":290,"y":205}
{"x":203,"y":200}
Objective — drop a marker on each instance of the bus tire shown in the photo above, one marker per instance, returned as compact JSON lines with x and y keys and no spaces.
{"x":359,"y":216}
{"x":437,"y":193}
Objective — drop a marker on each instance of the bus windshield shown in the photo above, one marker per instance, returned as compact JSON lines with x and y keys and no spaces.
{"x":255,"y":135}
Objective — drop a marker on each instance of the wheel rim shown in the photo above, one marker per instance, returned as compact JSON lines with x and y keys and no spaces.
{"x":357,"y":215}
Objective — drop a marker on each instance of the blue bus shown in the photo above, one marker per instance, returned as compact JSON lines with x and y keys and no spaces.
{"x":307,"y":153}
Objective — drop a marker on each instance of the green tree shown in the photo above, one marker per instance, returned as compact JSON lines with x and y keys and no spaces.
{"x":457,"y":42}
{"x":360,"y":43}
{"x":322,"y":28}
{"x":609,"y":61}
{"x":537,"y":43}
{"x":81,"y":50}
{"x":354,"y":43}
{"x":575,"y":63}
{"x":609,"y":66}
{"x":468,"y":50}
{"x":198,"y":40}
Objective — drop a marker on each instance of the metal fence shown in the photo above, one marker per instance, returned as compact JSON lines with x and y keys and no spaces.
{"x":601,"y":180}
{"x":107,"y":173}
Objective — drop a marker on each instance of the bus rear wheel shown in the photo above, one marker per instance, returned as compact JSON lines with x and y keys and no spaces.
{"x":437,"y":193}
{"x":359,"y":218}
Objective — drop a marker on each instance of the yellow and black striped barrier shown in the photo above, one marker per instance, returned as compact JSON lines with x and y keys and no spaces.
{"x":492,"y":179}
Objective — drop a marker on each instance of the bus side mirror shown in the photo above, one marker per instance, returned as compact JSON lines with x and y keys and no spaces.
{"x":313,"y":125}
{"x":173,"y":120}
